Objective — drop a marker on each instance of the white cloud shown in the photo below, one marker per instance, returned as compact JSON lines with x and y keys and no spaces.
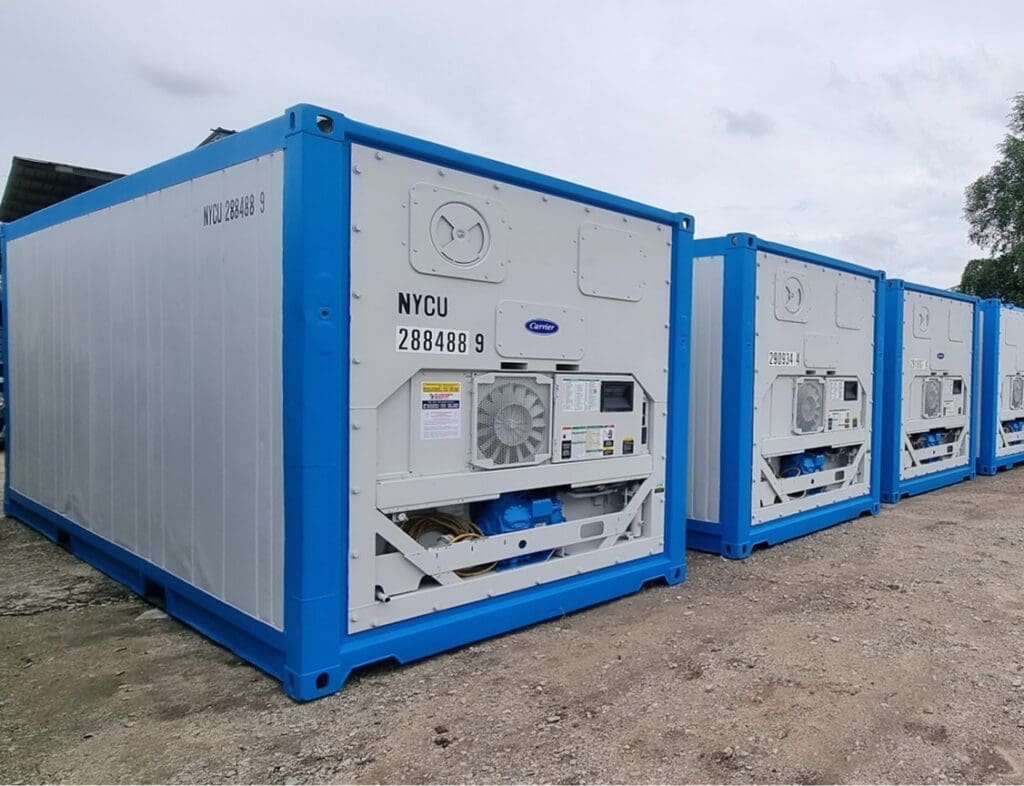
{"x":855,"y":128}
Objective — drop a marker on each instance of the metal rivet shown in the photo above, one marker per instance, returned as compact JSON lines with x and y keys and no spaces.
{"x":440,"y":172}
{"x":356,"y":361}
{"x":355,"y":489}
{"x":357,"y":228}
{"x":354,"y":618}
{"x":379,"y":156}
{"x":356,"y":169}
{"x":355,"y":555}
{"x":356,"y":294}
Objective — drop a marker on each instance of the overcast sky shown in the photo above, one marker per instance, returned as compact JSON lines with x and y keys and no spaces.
{"x":850,"y":129}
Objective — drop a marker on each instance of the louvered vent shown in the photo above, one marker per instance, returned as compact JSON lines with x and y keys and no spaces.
{"x":932,"y":405}
{"x":513,"y":420}
{"x":809,"y":407}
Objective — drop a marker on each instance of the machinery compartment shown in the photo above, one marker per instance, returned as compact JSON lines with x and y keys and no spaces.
{"x":814,"y":358}
{"x":935,"y":382}
{"x":506,"y":429}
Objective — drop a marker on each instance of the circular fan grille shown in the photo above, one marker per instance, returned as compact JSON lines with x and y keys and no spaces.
{"x":512,"y":422}
{"x":809,"y":415}
{"x":932,"y":397}
{"x":1017,"y":393}
{"x":460,"y":234}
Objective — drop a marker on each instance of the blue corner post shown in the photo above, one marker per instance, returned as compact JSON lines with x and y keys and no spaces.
{"x":316,"y":318}
{"x":740,"y":281}
{"x":890,"y":397}
{"x":991,"y":320}
{"x":990,"y":311}
{"x":678,"y":425}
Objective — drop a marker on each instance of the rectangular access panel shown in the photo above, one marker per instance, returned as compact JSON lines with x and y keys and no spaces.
{"x":340,"y":395}
{"x":930,"y":399}
{"x":1001,"y":427}
{"x":786,"y":368}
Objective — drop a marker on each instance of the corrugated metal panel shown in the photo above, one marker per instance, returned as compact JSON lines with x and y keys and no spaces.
{"x":704,"y":477}
{"x":146,"y":380}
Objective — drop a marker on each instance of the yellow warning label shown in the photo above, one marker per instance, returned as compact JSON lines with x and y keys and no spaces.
{"x":442,"y":387}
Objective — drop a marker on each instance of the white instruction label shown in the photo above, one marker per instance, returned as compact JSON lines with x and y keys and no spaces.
{"x":919,"y":364}
{"x":786,"y":357}
{"x":581,"y":395}
{"x":441,"y":410}
{"x":839,"y":419}
{"x":588,"y":441}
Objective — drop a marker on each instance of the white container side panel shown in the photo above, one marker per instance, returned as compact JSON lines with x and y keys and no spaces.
{"x":935,"y":390}
{"x":145,"y":373}
{"x":704,"y":479}
{"x":470,"y":298}
{"x":1009,"y":441}
{"x":813,"y":386}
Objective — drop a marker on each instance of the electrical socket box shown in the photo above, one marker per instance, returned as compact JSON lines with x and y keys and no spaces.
{"x":783,"y":418}
{"x":1001,"y":417}
{"x":313,"y":384}
{"x":930,"y":400}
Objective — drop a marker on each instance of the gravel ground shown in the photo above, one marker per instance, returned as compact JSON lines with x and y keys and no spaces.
{"x":888,"y":649}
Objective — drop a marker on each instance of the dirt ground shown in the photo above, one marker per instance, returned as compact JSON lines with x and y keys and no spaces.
{"x":888,"y":649}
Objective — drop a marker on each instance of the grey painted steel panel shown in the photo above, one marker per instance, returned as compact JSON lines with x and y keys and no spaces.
{"x":145,"y":371}
{"x":703,"y":482}
{"x":936,"y":343}
{"x":470,"y":244}
{"x":802,"y":306}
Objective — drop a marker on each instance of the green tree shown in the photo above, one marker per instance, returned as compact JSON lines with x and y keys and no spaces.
{"x":1001,"y":277}
{"x":994,"y":209}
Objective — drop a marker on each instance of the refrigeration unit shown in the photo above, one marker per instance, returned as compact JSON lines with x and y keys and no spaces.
{"x":785,"y":377}
{"x":335,"y":395}
{"x":1001,"y":426}
{"x":930,"y":389}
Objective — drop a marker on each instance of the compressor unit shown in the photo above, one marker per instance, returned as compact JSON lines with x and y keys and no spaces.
{"x":1001,"y":426}
{"x":930,"y":389}
{"x":786,"y":367}
{"x":336,"y":395}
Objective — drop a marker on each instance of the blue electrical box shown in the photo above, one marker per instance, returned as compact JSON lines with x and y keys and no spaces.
{"x":1001,"y":427}
{"x":786,"y":369}
{"x":334,"y":395}
{"x":930,"y":396}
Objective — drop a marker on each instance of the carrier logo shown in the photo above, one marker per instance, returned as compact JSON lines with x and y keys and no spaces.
{"x":940,"y":355}
{"x":543,"y":327}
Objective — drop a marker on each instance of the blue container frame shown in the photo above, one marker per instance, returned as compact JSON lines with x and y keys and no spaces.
{"x":991,"y":318}
{"x":893,"y":488}
{"x":313,"y":654}
{"x":734,"y":536}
